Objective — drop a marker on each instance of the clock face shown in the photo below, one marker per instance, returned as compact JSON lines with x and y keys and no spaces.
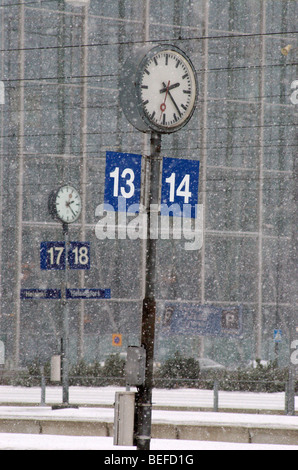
{"x":168,"y":90}
{"x":68,"y":204}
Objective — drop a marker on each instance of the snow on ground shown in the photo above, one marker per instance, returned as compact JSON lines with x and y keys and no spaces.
{"x":98,"y":397}
{"x":176,"y":417}
{"x":105,"y":396}
{"x":49,"y":442}
{"x":52,"y":442}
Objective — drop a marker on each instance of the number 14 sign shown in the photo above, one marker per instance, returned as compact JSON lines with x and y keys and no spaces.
{"x":53,"y":256}
{"x":180,"y":187}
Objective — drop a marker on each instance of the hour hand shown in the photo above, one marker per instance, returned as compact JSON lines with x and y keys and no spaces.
{"x":163,"y":90}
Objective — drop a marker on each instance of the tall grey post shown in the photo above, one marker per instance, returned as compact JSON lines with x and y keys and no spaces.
{"x":65,"y":338}
{"x":144,"y":395}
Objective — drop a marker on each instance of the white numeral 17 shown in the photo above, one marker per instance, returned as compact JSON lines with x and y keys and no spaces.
{"x":182,"y":190}
{"x":55,"y":250}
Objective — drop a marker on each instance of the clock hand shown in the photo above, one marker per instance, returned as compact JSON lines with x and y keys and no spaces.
{"x":163,"y":105}
{"x":175,"y":104}
{"x":69,"y":207}
{"x":163,"y":90}
{"x":72,"y":210}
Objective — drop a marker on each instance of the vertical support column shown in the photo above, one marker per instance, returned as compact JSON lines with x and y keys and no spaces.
{"x":144,"y":395}
{"x":19,"y":214}
{"x":65,"y":343}
{"x":259,"y":319}
{"x":204,"y":151}
{"x":84,"y":123}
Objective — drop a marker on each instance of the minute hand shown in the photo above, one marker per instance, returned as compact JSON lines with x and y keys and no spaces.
{"x":163,"y":90}
{"x":170,"y":95}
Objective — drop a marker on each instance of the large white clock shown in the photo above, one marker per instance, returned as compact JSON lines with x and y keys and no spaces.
{"x":159,"y":89}
{"x":65,"y":204}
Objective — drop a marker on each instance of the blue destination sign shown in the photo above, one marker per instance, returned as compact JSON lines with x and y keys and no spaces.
{"x":204,"y":320}
{"x":40,"y":294}
{"x":88,"y":293}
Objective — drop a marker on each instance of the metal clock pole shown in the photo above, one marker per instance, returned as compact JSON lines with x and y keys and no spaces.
{"x":144,"y":395}
{"x":65,"y":339}
{"x":65,"y":205}
{"x":144,"y":104}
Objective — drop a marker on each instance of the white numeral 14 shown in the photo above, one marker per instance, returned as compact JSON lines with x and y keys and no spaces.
{"x":182,"y":190}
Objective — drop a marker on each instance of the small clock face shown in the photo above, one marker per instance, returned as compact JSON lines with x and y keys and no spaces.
{"x":168,"y":90}
{"x":68,"y":204}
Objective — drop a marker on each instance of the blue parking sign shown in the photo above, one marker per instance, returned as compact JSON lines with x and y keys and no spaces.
{"x":180,"y":187}
{"x":123,"y":181}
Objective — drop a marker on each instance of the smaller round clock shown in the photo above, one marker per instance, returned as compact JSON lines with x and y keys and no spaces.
{"x":65,"y":204}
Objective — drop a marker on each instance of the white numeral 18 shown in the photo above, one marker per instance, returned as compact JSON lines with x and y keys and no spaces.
{"x":81,"y":255}
{"x":182,"y":190}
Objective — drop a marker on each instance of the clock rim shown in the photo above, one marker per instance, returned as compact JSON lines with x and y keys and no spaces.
{"x":130,"y":93}
{"x":146,"y":58}
{"x":52,"y":204}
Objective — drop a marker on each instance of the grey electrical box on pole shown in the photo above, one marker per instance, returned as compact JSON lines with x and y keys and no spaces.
{"x":135,"y":366}
{"x":124,"y":419}
{"x":55,"y":369}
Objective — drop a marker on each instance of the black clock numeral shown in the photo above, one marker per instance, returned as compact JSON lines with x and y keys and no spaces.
{"x":164,"y":119}
{"x":145,"y":87}
{"x":153,"y":114}
{"x":167,"y":59}
{"x":145,"y":102}
{"x":185,"y":76}
{"x":184,"y":107}
{"x":155,"y":61}
{"x":187,"y":92}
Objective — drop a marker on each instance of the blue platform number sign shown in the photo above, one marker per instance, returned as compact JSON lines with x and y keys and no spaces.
{"x":180,"y":187}
{"x":79,"y":255}
{"x":52,"y":255}
{"x":122,"y":181}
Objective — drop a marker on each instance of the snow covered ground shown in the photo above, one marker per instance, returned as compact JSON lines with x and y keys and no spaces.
{"x":182,"y":398}
{"x":98,"y":404}
{"x":48,"y":442}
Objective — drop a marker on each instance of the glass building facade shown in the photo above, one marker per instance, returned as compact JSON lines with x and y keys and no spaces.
{"x":60,"y":69}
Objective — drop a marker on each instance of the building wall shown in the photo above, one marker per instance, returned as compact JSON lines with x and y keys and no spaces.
{"x":61,"y":66}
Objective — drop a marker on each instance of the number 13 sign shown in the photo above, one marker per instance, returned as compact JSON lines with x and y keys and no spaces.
{"x":123,"y":181}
